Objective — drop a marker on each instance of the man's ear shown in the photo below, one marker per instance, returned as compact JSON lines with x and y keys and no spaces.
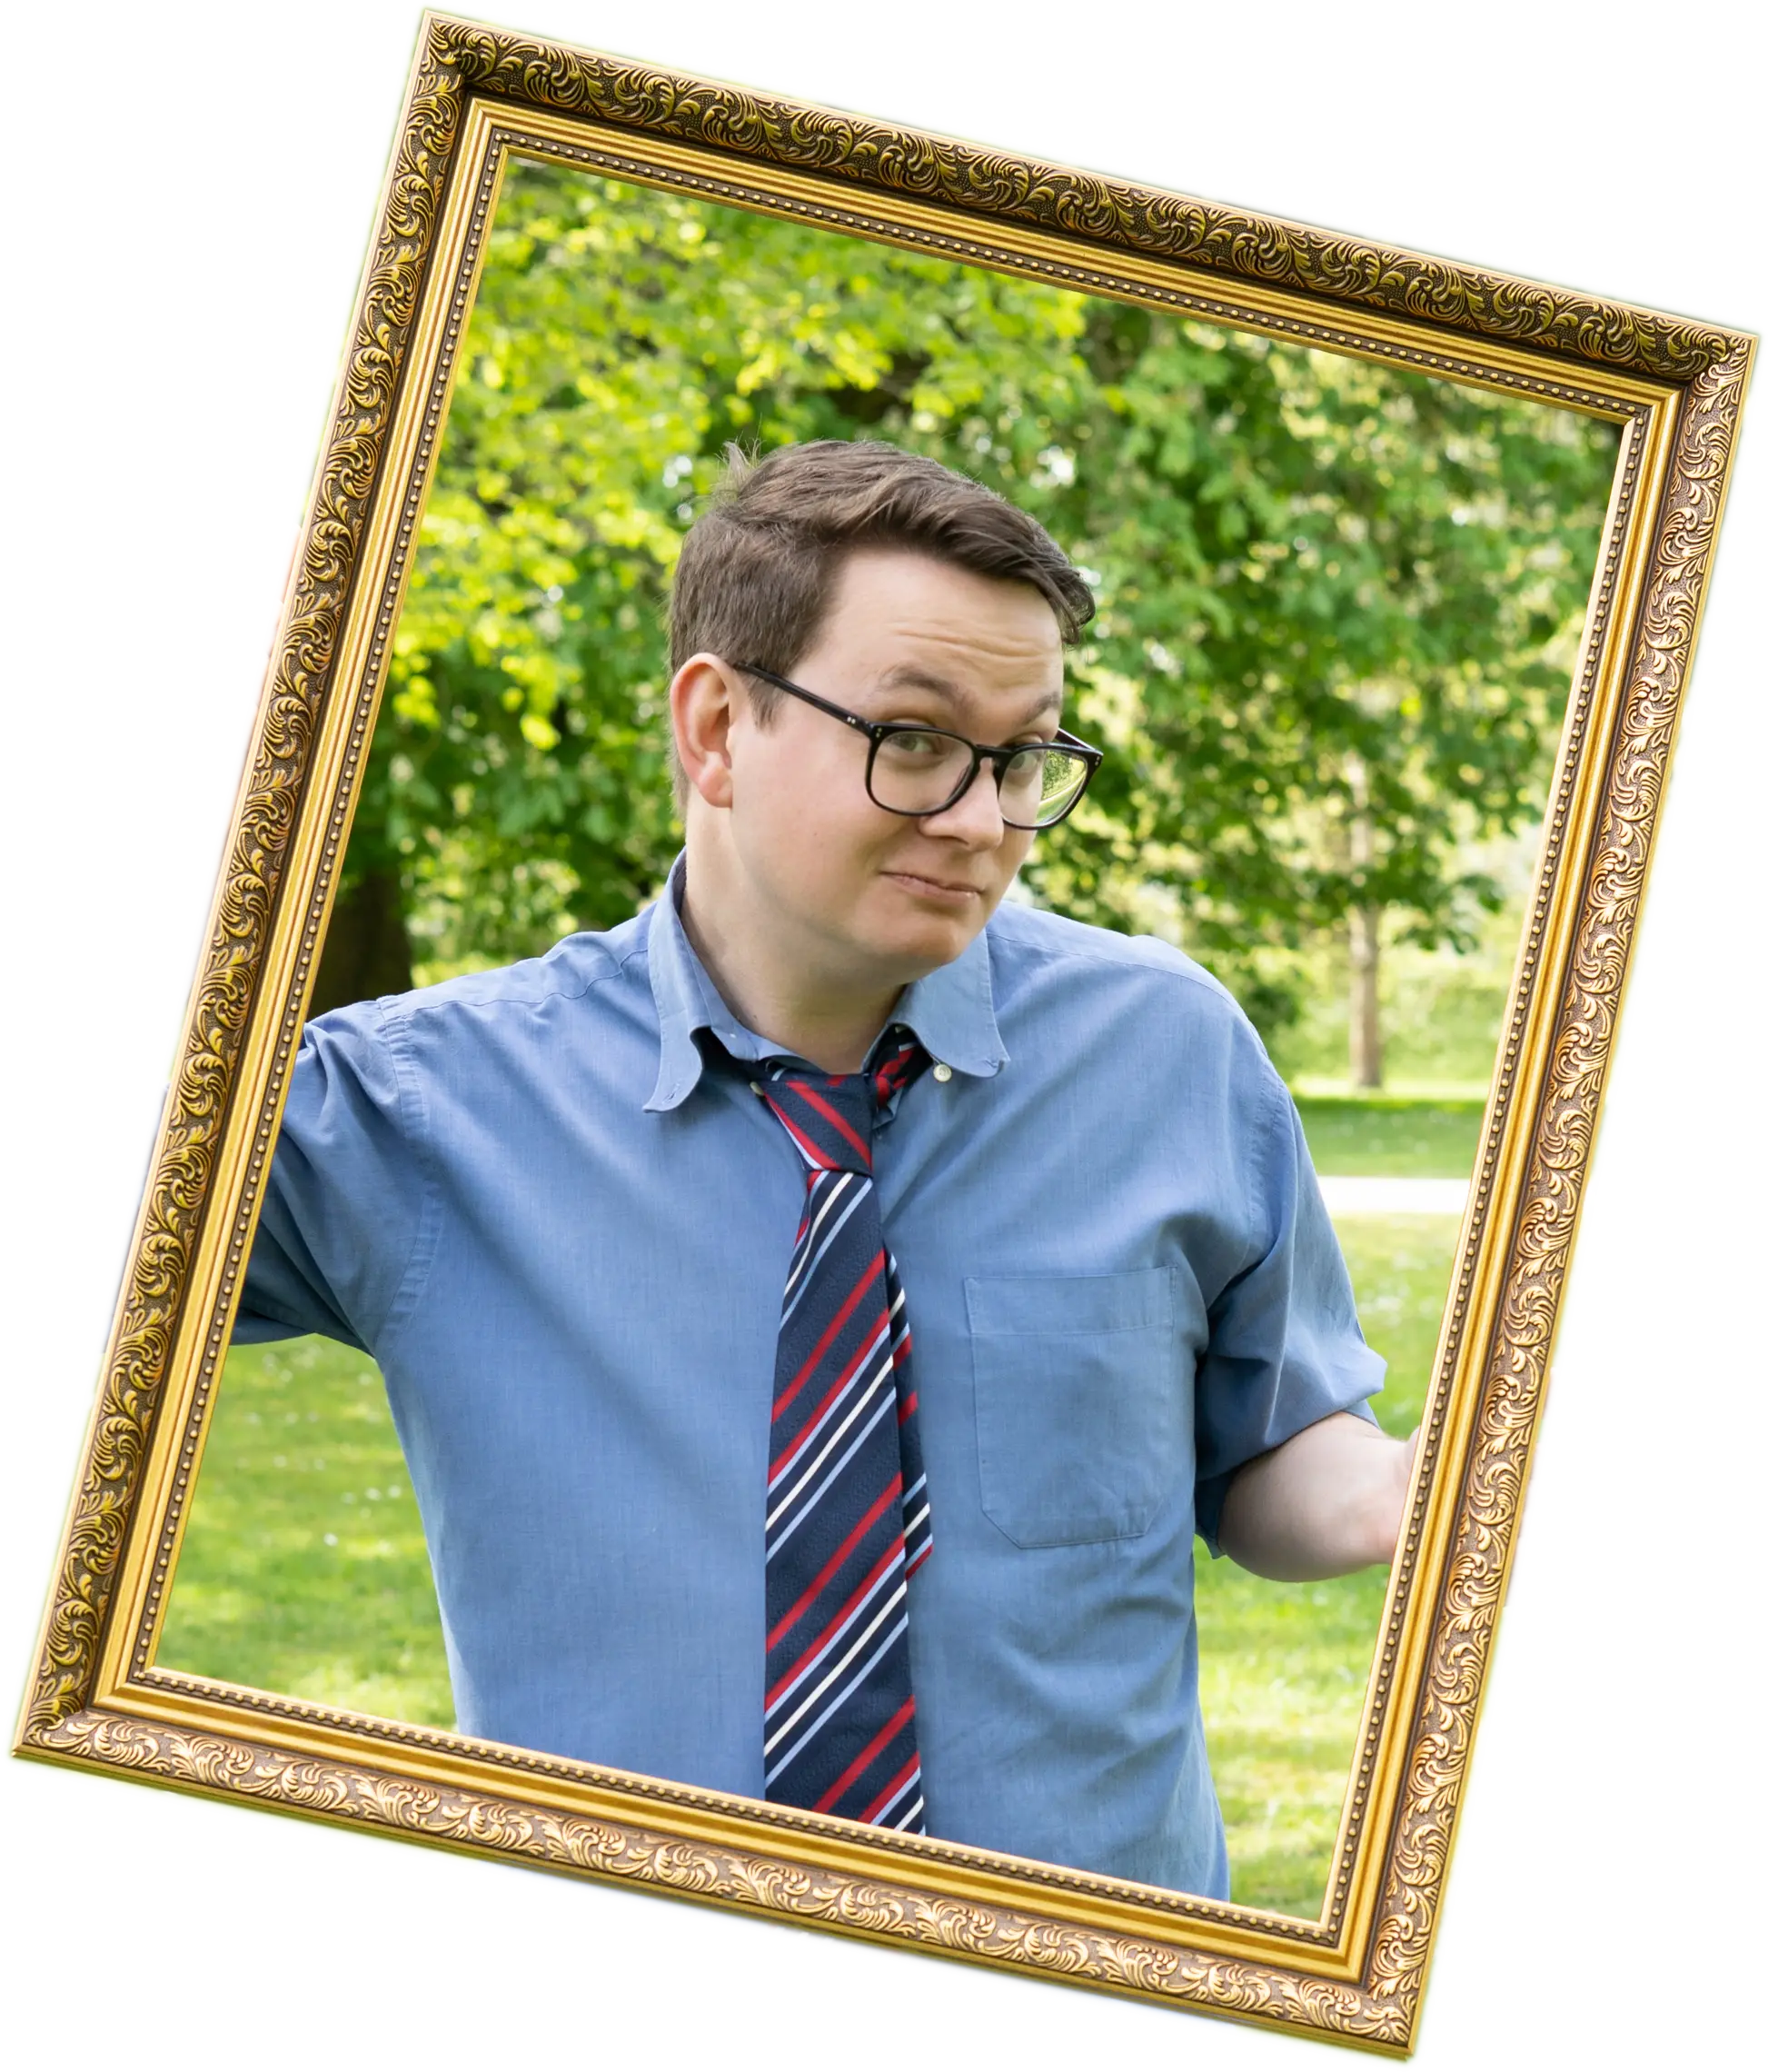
{"x":706,"y":696}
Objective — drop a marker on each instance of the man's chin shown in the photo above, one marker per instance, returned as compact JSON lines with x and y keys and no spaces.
{"x":912,"y":945}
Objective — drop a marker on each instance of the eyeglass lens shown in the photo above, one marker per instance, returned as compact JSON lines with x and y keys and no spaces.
{"x":916,"y":772}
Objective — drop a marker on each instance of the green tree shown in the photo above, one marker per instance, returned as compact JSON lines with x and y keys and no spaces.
{"x":1338,"y":607}
{"x":1334,"y":597}
{"x":621,"y":338}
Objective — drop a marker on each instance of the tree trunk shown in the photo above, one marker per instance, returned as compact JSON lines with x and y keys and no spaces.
{"x":1365,"y":999}
{"x":367,"y":951}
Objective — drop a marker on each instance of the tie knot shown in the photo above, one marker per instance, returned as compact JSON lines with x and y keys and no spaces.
{"x":829,"y":1116}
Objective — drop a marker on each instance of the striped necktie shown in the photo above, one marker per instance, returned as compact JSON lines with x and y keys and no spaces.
{"x":848,"y":1521}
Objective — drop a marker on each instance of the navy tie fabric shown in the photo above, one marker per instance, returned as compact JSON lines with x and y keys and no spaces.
{"x":848,"y":1521}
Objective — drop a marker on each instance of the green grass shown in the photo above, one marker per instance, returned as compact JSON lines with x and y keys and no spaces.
{"x":1419,"y":1139}
{"x":1283,"y":1671}
{"x":1283,"y":1665}
{"x":303,"y":1569}
{"x":1601,"y":1903}
{"x":1599,"y":1914}
{"x":1439,"y":1138}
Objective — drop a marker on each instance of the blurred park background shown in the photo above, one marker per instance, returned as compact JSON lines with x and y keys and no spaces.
{"x":182,"y":200}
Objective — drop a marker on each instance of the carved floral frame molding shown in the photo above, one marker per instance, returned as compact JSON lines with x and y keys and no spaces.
{"x":1676,"y":387}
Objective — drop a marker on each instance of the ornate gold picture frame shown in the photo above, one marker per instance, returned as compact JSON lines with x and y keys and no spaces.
{"x":1674,"y":387}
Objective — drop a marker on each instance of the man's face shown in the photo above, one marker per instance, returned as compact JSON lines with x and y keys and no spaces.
{"x":868,"y":897}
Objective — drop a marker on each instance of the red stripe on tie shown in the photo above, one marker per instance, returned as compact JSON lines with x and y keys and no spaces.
{"x":887,"y":1560}
{"x":835,"y":1116}
{"x":788,"y":1619}
{"x":791,"y":1453}
{"x":890,"y":1789}
{"x":892,"y":1727}
{"x":783,"y":1401}
{"x":907,"y":1410}
{"x":890,"y":1073}
{"x":812,"y":1152}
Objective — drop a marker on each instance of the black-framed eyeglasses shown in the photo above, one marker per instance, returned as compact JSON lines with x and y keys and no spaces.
{"x":916,"y":771}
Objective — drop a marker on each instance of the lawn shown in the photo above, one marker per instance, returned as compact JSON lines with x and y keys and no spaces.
{"x":1283,"y":1665}
{"x":303,"y":1571}
{"x":1605,"y":1903}
{"x":1607,"y":1881}
{"x":1415,"y":1140}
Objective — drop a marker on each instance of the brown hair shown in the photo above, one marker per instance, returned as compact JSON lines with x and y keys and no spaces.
{"x":758,"y":566}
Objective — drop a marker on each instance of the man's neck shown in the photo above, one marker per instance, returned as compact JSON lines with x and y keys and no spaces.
{"x":833,"y":1028}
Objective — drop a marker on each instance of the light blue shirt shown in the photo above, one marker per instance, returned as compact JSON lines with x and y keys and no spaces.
{"x":565,"y":1239}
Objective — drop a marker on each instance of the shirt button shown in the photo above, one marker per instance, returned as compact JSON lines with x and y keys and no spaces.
{"x":755,"y":1086}
{"x":943,"y":1073}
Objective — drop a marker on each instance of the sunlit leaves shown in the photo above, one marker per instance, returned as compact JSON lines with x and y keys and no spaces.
{"x":1302,"y":561}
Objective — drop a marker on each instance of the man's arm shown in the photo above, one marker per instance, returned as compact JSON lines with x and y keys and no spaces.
{"x":1328,"y":1500}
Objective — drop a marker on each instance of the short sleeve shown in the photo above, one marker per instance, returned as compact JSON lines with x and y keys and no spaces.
{"x":344,"y":1198}
{"x":344,"y":1201}
{"x":1284,"y":1345}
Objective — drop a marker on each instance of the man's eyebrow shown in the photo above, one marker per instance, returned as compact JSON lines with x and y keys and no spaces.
{"x":913,"y":677}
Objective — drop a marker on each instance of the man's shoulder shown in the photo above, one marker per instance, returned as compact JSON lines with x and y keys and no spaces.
{"x":1078,"y":1004}
{"x":1028,"y":941}
{"x":580,"y":968}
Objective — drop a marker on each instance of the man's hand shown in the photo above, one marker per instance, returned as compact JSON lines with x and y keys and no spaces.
{"x":249,"y":719}
{"x":1329,"y":1501}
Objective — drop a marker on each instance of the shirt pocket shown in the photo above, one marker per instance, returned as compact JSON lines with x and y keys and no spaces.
{"x":1079,"y":1418}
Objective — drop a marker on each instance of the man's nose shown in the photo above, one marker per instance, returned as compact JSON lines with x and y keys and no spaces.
{"x":974,"y":819}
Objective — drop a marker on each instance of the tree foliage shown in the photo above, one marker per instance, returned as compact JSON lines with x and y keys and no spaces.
{"x":1328,"y":590}
{"x":1331,"y":589}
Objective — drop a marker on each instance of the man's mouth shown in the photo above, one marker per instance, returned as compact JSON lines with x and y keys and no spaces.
{"x":948,"y":891}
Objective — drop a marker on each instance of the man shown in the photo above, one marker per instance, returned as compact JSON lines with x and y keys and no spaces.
{"x":1032,"y":1188}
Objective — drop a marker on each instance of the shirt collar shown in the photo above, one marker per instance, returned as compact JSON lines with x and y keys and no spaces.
{"x":951,"y":1010}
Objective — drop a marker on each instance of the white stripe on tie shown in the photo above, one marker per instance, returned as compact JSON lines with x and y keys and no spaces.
{"x":909,"y":1783}
{"x":864,"y":1189}
{"x":791,"y":1497}
{"x":786,"y":1762}
{"x":837,"y":1669}
{"x":836,"y":1633}
{"x":835,"y":1402}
